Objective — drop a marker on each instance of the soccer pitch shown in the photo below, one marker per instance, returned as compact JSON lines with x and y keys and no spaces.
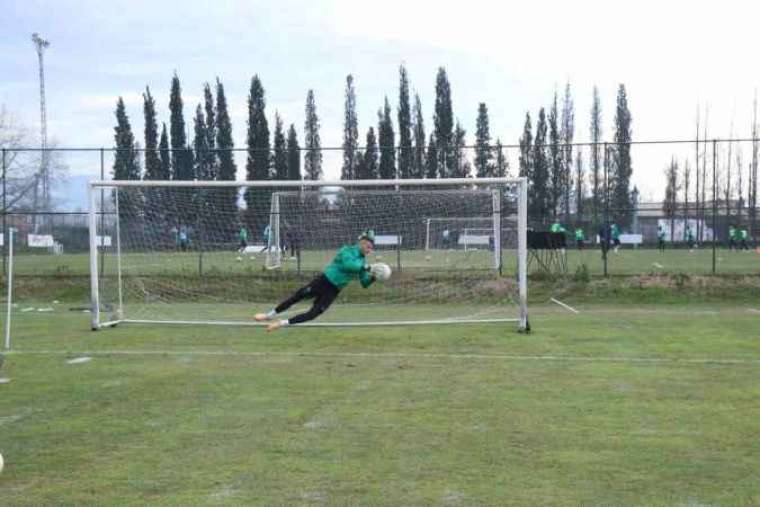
{"x":625,"y":262}
{"x":655,"y":405}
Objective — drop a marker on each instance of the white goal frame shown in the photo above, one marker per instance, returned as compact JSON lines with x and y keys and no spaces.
{"x":522,"y":254}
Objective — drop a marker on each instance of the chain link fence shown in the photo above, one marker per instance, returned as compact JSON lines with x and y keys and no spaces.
{"x":689,"y":207}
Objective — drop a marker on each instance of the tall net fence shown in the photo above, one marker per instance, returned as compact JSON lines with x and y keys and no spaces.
{"x":709,"y":220}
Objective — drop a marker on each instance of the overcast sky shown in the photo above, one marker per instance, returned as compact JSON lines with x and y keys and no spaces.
{"x":671,"y":55}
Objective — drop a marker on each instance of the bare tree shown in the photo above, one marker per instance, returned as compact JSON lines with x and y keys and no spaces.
{"x":580,"y":188}
{"x":697,"y":178}
{"x":22,"y":168}
{"x":739,"y":182}
{"x":703,"y":196}
{"x":752,"y":181}
{"x":19,"y":166}
{"x":670,"y":204}
{"x":727,"y":191}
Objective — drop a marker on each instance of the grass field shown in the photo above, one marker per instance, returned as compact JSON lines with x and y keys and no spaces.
{"x":620,"y":405}
{"x":626,"y":262}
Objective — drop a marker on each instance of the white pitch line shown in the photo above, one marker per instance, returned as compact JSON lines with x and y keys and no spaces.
{"x":563,"y":305}
{"x":392,"y":355}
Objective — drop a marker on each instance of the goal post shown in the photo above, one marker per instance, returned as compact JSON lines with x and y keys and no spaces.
{"x":176,"y":256}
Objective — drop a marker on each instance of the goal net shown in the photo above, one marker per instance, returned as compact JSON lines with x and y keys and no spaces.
{"x":217,"y":252}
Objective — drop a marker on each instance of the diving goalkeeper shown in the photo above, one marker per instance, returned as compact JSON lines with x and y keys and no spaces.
{"x":349,"y":264}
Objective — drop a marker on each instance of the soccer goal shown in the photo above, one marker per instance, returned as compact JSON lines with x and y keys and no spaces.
{"x":175,"y":254}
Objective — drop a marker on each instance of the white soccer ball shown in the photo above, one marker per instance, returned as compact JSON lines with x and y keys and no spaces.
{"x":239,"y":259}
{"x":381,"y":271}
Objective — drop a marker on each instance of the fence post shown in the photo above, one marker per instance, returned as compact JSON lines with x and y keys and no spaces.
{"x":715,"y":204}
{"x":5,"y":212}
{"x":101,"y":247}
{"x":604,"y":237}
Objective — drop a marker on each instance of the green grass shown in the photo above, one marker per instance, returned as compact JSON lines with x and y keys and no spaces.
{"x":615,"y":406}
{"x":626,"y":262}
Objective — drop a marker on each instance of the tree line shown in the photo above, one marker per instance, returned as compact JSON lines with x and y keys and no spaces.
{"x":559,"y":188}
{"x":721,"y":176}
{"x":396,"y":147}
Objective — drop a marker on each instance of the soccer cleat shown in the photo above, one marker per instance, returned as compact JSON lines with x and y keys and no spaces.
{"x":274,"y":326}
{"x":260,"y":317}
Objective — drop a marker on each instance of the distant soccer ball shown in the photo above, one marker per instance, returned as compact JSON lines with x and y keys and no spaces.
{"x":381,"y":271}
{"x":427,"y":258}
{"x":239,"y":259}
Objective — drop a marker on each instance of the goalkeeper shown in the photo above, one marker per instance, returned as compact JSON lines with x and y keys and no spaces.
{"x":349,"y":264}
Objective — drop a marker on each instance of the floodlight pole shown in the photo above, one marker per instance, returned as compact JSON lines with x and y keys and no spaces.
{"x":41,"y":44}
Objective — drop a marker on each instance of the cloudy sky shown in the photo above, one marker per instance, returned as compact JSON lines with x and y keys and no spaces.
{"x":671,"y":55}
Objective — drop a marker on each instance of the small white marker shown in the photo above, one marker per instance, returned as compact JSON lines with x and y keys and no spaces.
{"x":44,"y":309}
{"x":4,"y":380}
{"x":79,"y":360}
{"x":563,"y":305}
{"x":657,"y":265}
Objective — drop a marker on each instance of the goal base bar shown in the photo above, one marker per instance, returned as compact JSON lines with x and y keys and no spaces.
{"x":378,"y":323}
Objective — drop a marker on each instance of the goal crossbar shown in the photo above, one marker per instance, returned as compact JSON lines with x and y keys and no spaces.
{"x":308,"y":183}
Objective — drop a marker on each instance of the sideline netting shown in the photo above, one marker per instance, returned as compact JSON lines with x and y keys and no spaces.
{"x":176,"y":252}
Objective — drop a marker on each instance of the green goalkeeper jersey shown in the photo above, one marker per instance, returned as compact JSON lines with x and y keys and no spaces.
{"x":349,"y":264}
{"x":556,"y":227}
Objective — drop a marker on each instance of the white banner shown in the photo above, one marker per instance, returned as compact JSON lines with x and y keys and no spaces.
{"x":40,"y":240}
{"x":679,"y":229}
{"x":104,"y":240}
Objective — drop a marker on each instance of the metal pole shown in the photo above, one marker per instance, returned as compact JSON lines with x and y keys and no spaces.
{"x":522,"y":253}
{"x":94,"y":297}
{"x":715,"y":204}
{"x":101,"y":256}
{"x":5,"y":209}
{"x":120,"y":312}
{"x":10,"y":291}
{"x":604,"y":237}
{"x":427,"y":235}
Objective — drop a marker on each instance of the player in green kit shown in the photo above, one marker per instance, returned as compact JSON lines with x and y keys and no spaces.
{"x":350,"y":263}
{"x":243,"y":237}
{"x":557,"y":227}
{"x":743,"y":236}
{"x":689,"y":237}
{"x":615,"y":232}
{"x":580,"y":238}
{"x":661,"y":238}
